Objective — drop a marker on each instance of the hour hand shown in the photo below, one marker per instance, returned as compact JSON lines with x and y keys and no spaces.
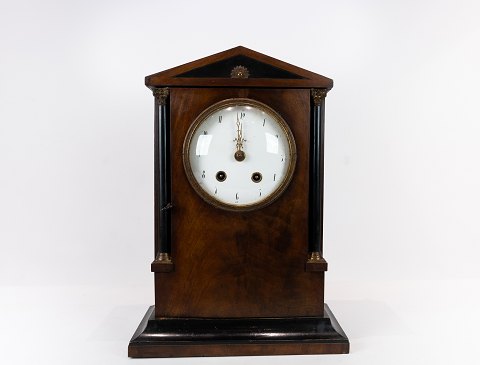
{"x":239,"y":154}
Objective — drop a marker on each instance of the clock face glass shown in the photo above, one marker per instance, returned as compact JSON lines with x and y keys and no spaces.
{"x":239,"y":154}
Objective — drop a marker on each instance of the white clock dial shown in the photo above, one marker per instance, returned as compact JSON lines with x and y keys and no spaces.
{"x":239,"y":154}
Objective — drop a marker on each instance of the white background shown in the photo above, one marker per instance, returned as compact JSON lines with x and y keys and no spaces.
{"x":402,"y":196}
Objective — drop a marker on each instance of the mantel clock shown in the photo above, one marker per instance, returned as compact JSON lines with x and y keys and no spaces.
{"x":238,"y":168}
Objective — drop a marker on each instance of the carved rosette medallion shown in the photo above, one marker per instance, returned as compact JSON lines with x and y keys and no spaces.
{"x":239,"y":72}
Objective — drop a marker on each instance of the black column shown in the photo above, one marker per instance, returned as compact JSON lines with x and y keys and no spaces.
{"x":162,"y":195}
{"x":317,"y":143}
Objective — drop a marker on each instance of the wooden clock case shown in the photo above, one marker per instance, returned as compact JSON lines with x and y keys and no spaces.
{"x":238,"y":283}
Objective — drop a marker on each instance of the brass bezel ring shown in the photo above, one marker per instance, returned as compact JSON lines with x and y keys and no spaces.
{"x":206,"y":114}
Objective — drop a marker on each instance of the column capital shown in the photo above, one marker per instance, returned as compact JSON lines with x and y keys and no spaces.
{"x":318,"y":95}
{"x":161,"y":95}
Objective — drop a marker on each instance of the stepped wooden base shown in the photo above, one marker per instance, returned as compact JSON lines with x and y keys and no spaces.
{"x":183,"y":337}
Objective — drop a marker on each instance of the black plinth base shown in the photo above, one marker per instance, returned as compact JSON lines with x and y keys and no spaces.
{"x":181,"y":337}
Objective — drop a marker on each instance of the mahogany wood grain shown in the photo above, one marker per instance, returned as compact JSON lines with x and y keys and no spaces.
{"x":232,"y":264}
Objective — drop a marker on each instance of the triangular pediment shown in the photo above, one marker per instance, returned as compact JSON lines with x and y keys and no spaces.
{"x":238,"y":67}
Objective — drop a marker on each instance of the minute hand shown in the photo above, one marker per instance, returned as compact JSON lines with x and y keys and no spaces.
{"x":239,"y":154}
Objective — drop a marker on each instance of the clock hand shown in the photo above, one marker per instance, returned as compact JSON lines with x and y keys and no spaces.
{"x":239,"y":138}
{"x":239,"y":154}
